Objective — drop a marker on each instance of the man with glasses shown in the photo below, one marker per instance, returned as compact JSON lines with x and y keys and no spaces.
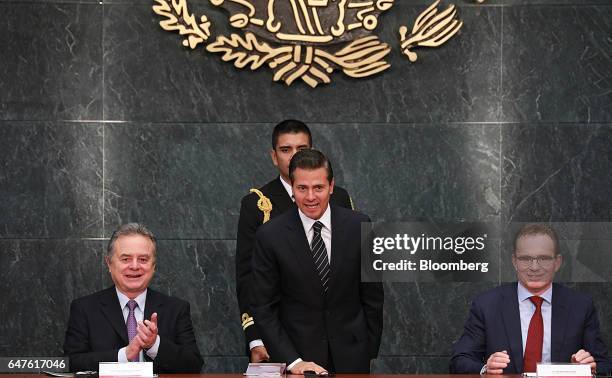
{"x":513,"y":327}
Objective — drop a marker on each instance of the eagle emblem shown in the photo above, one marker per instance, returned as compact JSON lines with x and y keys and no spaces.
{"x":306,"y":40}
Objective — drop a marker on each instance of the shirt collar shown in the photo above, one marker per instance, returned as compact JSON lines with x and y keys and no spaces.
{"x":287,"y":187}
{"x":308,"y":222}
{"x":140,"y":299}
{"x":524,"y":294}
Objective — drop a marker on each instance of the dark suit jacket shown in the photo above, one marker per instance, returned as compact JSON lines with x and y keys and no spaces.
{"x":96,"y":331}
{"x":494,"y":325}
{"x":296,"y":319}
{"x":250,"y":219}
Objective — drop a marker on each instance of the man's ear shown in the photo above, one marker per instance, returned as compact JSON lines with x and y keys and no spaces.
{"x":331,"y":186}
{"x":558,"y":262}
{"x":273,"y":157}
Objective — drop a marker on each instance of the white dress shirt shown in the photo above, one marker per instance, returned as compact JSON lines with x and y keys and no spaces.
{"x":325,"y":230}
{"x":287,"y":187}
{"x":141,"y":300}
{"x":526,"y":310}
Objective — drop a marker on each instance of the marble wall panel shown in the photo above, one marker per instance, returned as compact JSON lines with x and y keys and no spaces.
{"x":202,"y":272}
{"x":149,"y":76}
{"x":556,"y":172}
{"x":186,"y":180}
{"x":50,"y":179}
{"x":556,"y":64}
{"x":549,"y":2}
{"x":39,"y":280}
{"x":54,"y":1}
{"x":425,"y":319}
{"x":51,"y":61}
{"x":417,"y":172}
{"x":221,"y":364}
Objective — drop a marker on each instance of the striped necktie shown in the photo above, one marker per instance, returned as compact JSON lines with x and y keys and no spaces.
{"x":319,"y":255}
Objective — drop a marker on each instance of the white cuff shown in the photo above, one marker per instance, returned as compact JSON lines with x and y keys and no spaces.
{"x":255,"y":343}
{"x":291,"y":365}
{"x":483,"y":370}
{"x":152,"y":352}
{"x":121,"y":356}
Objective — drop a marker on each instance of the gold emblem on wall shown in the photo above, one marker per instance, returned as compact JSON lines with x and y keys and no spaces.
{"x":306,"y":39}
{"x":431,"y":29}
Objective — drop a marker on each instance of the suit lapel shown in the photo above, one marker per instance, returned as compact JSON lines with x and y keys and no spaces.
{"x":337,"y":241}
{"x":152,"y":304}
{"x":111,"y":308}
{"x":512,"y":326}
{"x":299,"y":244}
{"x":560,"y":312}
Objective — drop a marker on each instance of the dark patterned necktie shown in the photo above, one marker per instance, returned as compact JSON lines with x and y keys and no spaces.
{"x":131,"y":322}
{"x":319,"y":255}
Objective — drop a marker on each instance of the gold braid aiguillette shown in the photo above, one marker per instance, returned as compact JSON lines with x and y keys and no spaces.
{"x":264,"y":204}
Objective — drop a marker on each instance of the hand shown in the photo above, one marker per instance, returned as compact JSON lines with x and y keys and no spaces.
{"x":303,"y":366}
{"x":259,"y":354}
{"x":147,"y":331}
{"x":133,"y":348}
{"x":584,"y":357}
{"x":497,"y":362}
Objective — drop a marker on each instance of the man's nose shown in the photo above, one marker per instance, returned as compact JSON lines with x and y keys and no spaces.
{"x":310,"y":195}
{"x":133,"y":264}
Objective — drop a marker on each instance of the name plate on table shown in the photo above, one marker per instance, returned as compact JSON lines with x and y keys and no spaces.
{"x":125,"y":369}
{"x":263,"y":369}
{"x":564,"y":370}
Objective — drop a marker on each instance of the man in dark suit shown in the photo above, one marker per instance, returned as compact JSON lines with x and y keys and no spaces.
{"x":513,"y":327}
{"x":258,"y":207}
{"x":129,"y":321}
{"x":314,"y":312}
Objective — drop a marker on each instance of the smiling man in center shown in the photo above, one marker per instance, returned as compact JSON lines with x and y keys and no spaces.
{"x":314,"y":311}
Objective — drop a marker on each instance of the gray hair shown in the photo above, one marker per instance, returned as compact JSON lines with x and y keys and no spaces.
{"x":130,"y":229}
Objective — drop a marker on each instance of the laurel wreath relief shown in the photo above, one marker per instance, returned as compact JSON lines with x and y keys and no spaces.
{"x":359,"y":58}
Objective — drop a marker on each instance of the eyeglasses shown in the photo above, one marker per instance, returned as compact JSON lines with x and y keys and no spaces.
{"x":543,"y":261}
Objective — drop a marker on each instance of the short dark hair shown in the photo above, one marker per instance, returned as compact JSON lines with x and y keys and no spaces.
{"x":310,"y":160}
{"x":290,"y":126}
{"x":537,"y":229}
{"x":130,"y":229}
